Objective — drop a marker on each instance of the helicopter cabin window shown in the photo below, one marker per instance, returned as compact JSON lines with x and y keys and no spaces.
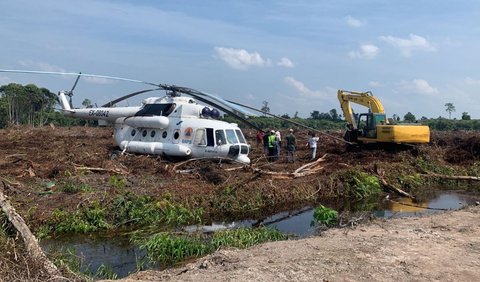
{"x":220,"y":137}
{"x":164,"y":134}
{"x":144,"y":133}
{"x":156,"y":110}
{"x":152,"y":134}
{"x":240,"y":136}
{"x":176,"y":135}
{"x":200,"y":137}
{"x":133,"y":132}
{"x":231,"y":137}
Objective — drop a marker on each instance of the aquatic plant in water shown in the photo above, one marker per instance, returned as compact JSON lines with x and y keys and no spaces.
{"x":168,"y":248}
{"x":325,"y":216}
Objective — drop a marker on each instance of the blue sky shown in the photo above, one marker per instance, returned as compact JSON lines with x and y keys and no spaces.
{"x":414,"y":55}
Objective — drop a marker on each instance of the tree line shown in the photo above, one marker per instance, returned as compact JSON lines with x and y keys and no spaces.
{"x":31,"y":105}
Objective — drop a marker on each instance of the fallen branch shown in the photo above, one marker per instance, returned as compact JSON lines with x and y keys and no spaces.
{"x":96,"y":169}
{"x":452,"y":177}
{"x":31,"y":243}
{"x":311,"y":164}
{"x":391,"y":187}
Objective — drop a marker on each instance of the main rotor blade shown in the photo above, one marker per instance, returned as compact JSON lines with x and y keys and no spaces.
{"x":113,"y":102}
{"x":293,"y":122}
{"x":77,"y":74}
{"x":220,"y":107}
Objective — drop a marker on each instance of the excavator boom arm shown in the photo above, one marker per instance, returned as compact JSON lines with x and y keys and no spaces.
{"x":362,"y":98}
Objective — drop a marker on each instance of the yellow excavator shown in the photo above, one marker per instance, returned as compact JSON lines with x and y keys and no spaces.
{"x":374,"y":127}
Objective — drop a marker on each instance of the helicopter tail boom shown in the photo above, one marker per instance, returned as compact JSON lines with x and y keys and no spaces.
{"x":103,"y":113}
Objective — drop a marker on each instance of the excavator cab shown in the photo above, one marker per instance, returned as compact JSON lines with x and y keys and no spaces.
{"x":367,"y":124}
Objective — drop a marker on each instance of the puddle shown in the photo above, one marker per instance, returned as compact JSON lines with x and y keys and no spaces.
{"x":122,"y":256}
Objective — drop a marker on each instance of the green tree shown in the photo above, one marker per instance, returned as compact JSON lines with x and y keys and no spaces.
{"x":334,"y":115}
{"x":27,"y":104}
{"x":265,"y":108}
{"x":450,"y":108}
{"x":466,"y":116}
{"x":315,"y":115}
{"x":87,"y":103}
{"x":409,"y":117}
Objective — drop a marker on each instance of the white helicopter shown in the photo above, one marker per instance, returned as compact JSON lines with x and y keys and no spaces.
{"x":173,"y":125}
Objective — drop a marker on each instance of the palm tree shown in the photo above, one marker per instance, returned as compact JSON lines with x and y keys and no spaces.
{"x":450,"y":109}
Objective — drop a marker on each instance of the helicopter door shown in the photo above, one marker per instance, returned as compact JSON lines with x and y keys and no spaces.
{"x":210,"y":149}
{"x":210,"y":139}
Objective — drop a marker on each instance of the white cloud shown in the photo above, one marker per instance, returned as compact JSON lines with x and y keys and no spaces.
{"x":375,"y":84}
{"x":353,"y":22}
{"x":286,"y":62}
{"x":367,"y":51}
{"x":408,"y":45}
{"x":303,"y":90}
{"x":419,"y":86}
{"x":471,"y":81}
{"x":241,"y":58}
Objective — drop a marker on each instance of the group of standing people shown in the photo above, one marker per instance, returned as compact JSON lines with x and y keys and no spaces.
{"x":272,"y":144}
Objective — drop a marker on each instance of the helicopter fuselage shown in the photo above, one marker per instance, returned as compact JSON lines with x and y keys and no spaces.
{"x":173,"y":126}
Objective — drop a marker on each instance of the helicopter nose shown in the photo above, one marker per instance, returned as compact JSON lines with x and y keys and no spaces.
{"x":243,"y":159}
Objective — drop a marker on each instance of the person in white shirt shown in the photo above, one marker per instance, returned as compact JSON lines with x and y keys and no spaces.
{"x":279,"y":143}
{"x":312,"y":144}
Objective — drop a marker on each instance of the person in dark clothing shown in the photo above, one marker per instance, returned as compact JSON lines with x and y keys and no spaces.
{"x":291,"y":145}
{"x":265,"y":142}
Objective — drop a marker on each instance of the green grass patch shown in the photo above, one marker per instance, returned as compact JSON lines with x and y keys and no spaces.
{"x":71,"y":187}
{"x":167,"y":249}
{"x":146,"y":210}
{"x":90,"y":219}
{"x":246,"y":237}
{"x":127,"y":209}
{"x":325,"y":216}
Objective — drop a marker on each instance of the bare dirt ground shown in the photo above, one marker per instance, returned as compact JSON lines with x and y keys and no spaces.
{"x":441,"y":247}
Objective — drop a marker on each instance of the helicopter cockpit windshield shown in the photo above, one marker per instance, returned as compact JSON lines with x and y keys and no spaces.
{"x":156,"y":109}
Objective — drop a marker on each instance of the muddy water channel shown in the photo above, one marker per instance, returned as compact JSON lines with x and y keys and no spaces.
{"x":122,"y":257}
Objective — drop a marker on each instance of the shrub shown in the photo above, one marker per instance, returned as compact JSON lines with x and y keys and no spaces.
{"x":360,"y":185}
{"x":325,"y":216}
